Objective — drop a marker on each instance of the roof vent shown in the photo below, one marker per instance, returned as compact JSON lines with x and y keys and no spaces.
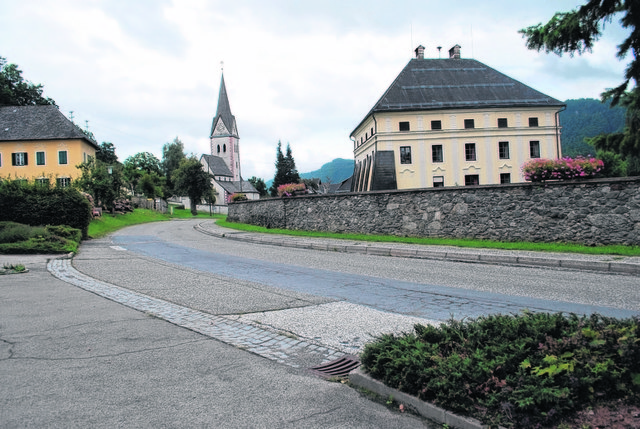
{"x":420,"y":52}
{"x":454,"y":53}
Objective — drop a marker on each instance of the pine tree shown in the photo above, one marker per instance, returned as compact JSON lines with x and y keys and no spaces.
{"x":286,"y":171}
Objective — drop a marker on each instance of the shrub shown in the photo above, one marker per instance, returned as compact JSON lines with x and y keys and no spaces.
{"x":540,"y":170}
{"x":516,"y":371}
{"x":238,"y":197}
{"x":19,"y":238}
{"x":289,"y":189}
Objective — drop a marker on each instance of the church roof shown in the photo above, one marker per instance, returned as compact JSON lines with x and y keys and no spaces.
{"x":224,"y":112}
{"x":217,"y":166}
{"x":234,"y":187}
{"x":455,"y":83}
{"x":43,"y":122}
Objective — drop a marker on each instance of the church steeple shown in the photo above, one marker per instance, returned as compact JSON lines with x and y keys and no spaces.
{"x":224,"y":134}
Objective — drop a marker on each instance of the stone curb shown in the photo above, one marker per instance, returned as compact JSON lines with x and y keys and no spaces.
{"x":528,"y":261}
{"x":425,"y":409}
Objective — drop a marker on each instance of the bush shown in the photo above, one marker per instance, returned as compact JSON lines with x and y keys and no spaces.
{"x":516,"y":371}
{"x":289,"y":189}
{"x":238,"y":197}
{"x":34,"y":205}
{"x":540,"y":170}
{"x":19,"y":238}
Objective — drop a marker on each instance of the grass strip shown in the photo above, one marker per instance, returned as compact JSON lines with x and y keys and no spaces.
{"x":457,"y":242}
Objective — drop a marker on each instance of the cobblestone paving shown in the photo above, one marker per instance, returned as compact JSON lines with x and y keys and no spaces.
{"x":271,"y":345}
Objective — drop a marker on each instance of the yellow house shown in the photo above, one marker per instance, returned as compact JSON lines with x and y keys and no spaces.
{"x":40,"y":143}
{"x":453,"y":122}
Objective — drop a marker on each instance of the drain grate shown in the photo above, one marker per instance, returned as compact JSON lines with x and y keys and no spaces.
{"x":337,"y":368}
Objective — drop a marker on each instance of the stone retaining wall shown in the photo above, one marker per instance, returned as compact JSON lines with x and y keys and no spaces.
{"x":594,"y":212}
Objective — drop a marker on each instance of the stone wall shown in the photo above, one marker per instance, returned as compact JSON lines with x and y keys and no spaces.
{"x":594,"y":212}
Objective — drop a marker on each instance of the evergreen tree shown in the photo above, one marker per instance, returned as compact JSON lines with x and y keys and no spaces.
{"x":577,"y":31}
{"x":259,"y":185}
{"x":172,"y":156}
{"x":107,"y":153}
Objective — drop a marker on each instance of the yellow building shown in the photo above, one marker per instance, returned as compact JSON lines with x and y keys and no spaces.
{"x":453,"y":122}
{"x":40,"y":143}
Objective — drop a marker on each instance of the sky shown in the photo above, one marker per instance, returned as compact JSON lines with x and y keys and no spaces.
{"x":140,"y":73}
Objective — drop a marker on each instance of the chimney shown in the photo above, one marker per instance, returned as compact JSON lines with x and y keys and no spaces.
{"x":420,"y":52}
{"x":454,"y":53}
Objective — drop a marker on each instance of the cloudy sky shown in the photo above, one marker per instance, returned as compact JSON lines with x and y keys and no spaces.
{"x":305,"y":72}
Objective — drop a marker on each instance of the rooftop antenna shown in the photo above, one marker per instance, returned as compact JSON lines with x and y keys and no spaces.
{"x":71,"y":115}
{"x":86,"y":124}
{"x":439,"y":49}
{"x":222,"y":66}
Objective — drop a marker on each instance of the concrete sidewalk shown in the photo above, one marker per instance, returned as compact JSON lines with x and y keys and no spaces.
{"x":599,"y":263}
{"x":70,"y":358}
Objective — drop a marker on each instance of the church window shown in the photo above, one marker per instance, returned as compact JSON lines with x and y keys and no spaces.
{"x":224,"y":148}
{"x":218,"y":148}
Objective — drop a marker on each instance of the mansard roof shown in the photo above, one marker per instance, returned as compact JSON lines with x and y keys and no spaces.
{"x":456,"y":83}
{"x":38,"y":123}
{"x":224,"y":113}
{"x":217,"y":166}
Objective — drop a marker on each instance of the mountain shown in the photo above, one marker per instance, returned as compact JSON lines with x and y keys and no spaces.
{"x":587,"y":117}
{"x":335,"y":171}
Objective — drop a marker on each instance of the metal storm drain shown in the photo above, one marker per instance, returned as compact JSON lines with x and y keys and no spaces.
{"x":337,"y":368}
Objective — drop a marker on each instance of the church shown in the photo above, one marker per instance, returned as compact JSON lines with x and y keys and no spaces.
{"x":224,"y":161}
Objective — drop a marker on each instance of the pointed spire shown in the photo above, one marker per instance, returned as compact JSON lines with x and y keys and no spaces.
{"x":224,"y":111}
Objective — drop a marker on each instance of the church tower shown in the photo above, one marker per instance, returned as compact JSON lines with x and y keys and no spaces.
{"x":225,"y":141}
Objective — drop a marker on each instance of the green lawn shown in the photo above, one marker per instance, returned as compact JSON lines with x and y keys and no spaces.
{"x":486,"y":244}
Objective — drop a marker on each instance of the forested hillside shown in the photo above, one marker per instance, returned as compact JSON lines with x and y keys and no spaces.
{"x":587,"y":117}
{"x":335,"y":171}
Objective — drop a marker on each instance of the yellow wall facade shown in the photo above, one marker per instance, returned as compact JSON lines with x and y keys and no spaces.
{"x":77,"y":152}
{"x":381,"y":132}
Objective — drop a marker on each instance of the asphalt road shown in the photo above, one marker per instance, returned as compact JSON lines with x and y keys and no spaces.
{"x":434,"y":290}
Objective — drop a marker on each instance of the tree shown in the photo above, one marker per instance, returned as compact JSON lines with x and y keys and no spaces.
{"x":190,"y":179}
{"x":577,"y":31}
{"x":103,"y":182}
{"x":286,"y":171}
{"x":107,"y":153}
{"x":137,"y":165}
{"x":259,"y":185}
{"x":15,"y":91}
{"x":172,"y":156}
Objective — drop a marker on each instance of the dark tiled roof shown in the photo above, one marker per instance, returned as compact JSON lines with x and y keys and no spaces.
{"x":233,"y":187}
{"x":217,"y":166}
{"x":224,"y":111}
{"x":434,"y":84}
{"x":37,"y":123}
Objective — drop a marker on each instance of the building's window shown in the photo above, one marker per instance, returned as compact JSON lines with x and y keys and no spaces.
{"x":84,"y":156}
{"x":39,"y":158}
{"x":438,"y":181}
{"x":0,"y":160}
{"x":405,"y":154}
{"x":19,"y":158}
{"x":371,"y":131}
{"x":502,"y":123}
{"x":366,"y":136}
{"x":471,"y":180}
{"x":43,"y":181}
{"x":404,"y":126}
{"x":533,"y":122}
{"x":218,"y":148}
{"x":224,"y":148}
{"x":503,"y":150}
{"x":505,"y":178}
{"x":63,"y":182}
{"x":436,"y":153}
{"x":534,"y":149}
{"x":469,"y":123}
{"x":62,"y":157}
{"x":470,"y":151}
{"x":436,"y":125}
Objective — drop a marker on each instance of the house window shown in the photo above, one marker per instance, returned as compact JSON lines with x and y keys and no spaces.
{"x":19,"y":158}
{"x":470,"y":151}
{"x":436,"y":153}
{"x":502,"y":123}
{"x":405,"y":154}
{"x":438,"y":181}
{"x":503,"y":150}
{"x":471,"y":180}
{"x":533,"y":122}
{"x":505,"y":178}
{"x":39,"y":158}
{"x":62,"y":157}
{"x":371,"y":131}
{"x":436,"y":125}
{"x":0,"y":160}
{"x":469,"y":123}
{"x":43,"y":181}
{"x":63,"y":182}
{"x":404,"y":126}
{"x":534,"y":149}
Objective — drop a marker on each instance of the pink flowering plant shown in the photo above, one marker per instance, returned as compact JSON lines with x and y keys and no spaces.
{"x":540,"y":170}
{"x":290,"y":189}
{"x":238,"y":196}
